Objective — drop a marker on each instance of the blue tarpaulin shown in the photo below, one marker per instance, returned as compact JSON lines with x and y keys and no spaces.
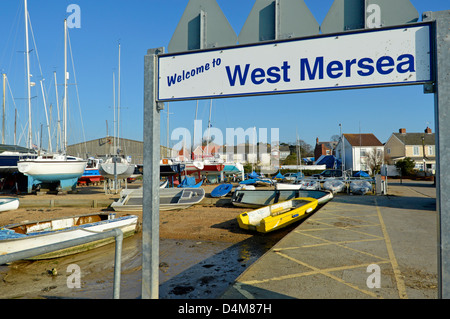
{"x":279,"y":175}
{"x":361,"y":174}
{"x":253,"y":175}
{"x":330,"y":161}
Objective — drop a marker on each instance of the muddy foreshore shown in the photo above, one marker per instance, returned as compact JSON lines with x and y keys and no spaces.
{"x":202,"y":251}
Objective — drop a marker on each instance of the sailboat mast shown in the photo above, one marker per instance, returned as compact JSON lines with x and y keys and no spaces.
{"x":209,"y":128}
{"x":65,"y":85}
{"x":58,"y":132}
{"x":114,"y":112}
{"x":118,"y":106}
{"x":27,"y":51}
{"x":193,"y":140}
{"x":4,"y":108}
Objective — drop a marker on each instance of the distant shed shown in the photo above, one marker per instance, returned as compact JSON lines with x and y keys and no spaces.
{"x":103,"y":147}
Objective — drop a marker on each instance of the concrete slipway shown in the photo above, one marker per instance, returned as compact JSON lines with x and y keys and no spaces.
{"x":349,"y":246}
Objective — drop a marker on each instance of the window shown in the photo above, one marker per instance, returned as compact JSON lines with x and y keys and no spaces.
{"x":416,"y":151}
{"x":430,"y":150}
{"x":389,"y":151}
{"x":379,"y":153}
{"x":363,"y":152}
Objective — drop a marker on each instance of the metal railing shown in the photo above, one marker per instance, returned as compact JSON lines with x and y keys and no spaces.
{"x":116,"y":233}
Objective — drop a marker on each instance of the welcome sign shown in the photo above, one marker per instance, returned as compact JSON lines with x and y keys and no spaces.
{"x":381,"y":57}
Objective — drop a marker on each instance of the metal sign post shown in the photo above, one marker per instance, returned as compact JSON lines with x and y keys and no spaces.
{"x":442,"y":122}
{"x":150,"y":212}
{"x":236,"y":71}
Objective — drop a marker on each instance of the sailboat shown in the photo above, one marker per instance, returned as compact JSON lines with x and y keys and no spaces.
{"x":116,"y":167}
{"x":51,"y":168}
{"x":10,"y":154}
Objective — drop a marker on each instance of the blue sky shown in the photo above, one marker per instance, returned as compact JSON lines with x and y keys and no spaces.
{"x":143,"y":24}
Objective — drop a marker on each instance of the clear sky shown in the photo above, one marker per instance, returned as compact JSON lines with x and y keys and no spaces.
{"x":143,"y":24}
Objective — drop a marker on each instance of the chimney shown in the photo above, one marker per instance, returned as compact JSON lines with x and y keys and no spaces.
{"x":428,"y":130}
{"x":402,"y":130}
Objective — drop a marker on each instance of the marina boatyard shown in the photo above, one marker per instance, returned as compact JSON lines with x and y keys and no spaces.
{"x":136,"y":219}
{"x":204,"y":253}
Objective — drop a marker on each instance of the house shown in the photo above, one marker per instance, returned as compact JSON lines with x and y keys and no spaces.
{"x":247,"y":153}
{"x":211,"y":151}
{"x":324,"y":148}
{"x":280,"y":152}
{"x":183,"y":155}
{"x":420,"y":147}
{"x":360,"y":152}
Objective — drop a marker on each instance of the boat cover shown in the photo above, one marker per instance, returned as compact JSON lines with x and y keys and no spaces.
{"x":279,"y":175}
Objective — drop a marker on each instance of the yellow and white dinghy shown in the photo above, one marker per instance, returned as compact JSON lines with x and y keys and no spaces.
{"x":276,"y":216}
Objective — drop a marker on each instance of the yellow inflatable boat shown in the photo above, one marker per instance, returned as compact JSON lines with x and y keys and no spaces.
{"x":276,"y":216}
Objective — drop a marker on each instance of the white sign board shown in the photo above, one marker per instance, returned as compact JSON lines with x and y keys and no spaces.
{"x":381,"y":57}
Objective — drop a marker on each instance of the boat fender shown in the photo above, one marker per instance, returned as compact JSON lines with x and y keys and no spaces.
{"x":309,"y":210}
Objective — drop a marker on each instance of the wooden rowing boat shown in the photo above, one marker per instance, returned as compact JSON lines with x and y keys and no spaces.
{"x":19,"y":237}
{"x":276,"y":216}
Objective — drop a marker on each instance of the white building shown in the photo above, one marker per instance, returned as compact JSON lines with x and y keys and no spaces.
{"x":360,"y":152}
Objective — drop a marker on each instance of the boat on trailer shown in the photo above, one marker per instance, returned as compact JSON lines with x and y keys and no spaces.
{"x":360,"y":187}
{"x":23,"y":236}
{"x":276,"y":216}
{"x":334,"y":185}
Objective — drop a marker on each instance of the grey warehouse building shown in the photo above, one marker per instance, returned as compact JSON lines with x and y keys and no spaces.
{"x":102,"y":147}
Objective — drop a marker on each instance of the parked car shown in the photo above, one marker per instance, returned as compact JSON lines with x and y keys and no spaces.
{"x":330,"y":173}
{"x":292,"y":177}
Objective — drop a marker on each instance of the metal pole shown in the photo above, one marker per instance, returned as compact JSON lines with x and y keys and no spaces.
{"x":4,"y":108}
{"x":150,"y":215}
{"x":117,"y":265}
{"x":65,"y":88}
{"x":442,"y":121}
{"x":30,"y":131}
{"x":117,"y":233}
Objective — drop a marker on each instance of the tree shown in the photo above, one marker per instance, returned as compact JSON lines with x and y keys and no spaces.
{"x":406,"y":166}
{"x":374,"y":161}
{"x":335,"y":138}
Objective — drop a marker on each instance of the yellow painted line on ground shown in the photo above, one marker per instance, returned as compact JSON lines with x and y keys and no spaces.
{"x":315,"y":271}
{"x":340,"y":227}
{"x":341,"y":243}
{"x":349,"y":248}
{"x":327,"y":243}
{"x":326,"y":273}
{"x":347,"y":228}
{"x":398,"y":276}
